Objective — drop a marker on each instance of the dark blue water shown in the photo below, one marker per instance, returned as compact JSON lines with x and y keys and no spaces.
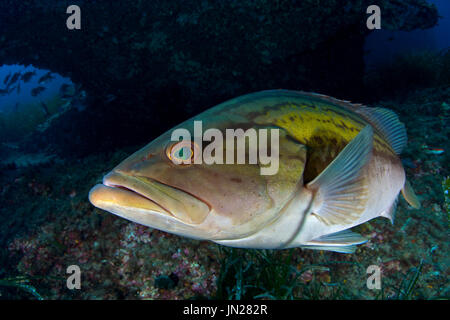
{"x":383,"y":45}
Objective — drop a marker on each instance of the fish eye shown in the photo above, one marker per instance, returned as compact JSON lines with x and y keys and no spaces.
{"x":182,"y":153}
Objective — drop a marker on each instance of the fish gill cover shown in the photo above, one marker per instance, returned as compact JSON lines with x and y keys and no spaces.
{"x":134,"y":70}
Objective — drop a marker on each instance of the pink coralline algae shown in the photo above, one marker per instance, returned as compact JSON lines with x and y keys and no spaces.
{"x":119,"y":260}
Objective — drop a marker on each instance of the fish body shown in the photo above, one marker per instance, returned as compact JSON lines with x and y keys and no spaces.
{"x":14,"y":78}
{"x":431,"y":150}
{"x":435,"y":151}
{"x":27,"y":76}
{"x":5,"y":81}
{"x":45,"y":78}
{"x":338,"y":167}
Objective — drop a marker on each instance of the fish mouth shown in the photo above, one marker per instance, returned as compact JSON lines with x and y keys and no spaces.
{"x":130,"y":192}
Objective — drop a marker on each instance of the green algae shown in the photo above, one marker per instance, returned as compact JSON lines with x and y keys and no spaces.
{"x":276,"y":275}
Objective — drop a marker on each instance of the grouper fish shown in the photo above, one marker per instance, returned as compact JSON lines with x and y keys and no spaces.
{"x":339,"y":167}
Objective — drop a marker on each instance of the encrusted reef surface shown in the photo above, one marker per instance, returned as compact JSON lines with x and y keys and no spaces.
{"x":151,"y":64}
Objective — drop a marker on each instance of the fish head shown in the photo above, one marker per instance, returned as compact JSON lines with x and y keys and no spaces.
{"x":156,"y":187}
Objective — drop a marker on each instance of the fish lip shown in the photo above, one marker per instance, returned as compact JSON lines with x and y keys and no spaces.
{"x":174,"y":202}
{"x":108,"y":181}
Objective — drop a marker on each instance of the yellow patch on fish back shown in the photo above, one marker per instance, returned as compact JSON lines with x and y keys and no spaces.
{"x":316,"y":125}
{"x":324,"y":129}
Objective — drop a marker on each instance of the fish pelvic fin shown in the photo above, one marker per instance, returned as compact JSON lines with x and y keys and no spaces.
{"x":340,"y":249}
{"x":341,"y":190}
{"x":344,"y":242}
{"x":410,"y":196}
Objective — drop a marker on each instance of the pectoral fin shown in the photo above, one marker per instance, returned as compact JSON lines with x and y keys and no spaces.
{"x":341,"y":190}
{"x":410,"y":196}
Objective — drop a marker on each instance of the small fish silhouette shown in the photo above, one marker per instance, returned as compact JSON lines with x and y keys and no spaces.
{"x":7,"y":78}
{"x":46,"y":77}
{"x":27,"y":76}
{"x":37,"y":91}
{"x":14,"y":79}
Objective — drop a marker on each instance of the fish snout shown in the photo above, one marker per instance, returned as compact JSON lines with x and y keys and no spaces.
{"x":107,"y":198}
{"x":140,"y":191}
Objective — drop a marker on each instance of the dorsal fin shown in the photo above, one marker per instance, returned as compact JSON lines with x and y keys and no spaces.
{"x":342,"y":103}
{"x":387,"y":122}
{"x":384,"y":120}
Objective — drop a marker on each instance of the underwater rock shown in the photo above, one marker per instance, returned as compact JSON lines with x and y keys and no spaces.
{"x":408,"y":15}
{"x":20,"y":160}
